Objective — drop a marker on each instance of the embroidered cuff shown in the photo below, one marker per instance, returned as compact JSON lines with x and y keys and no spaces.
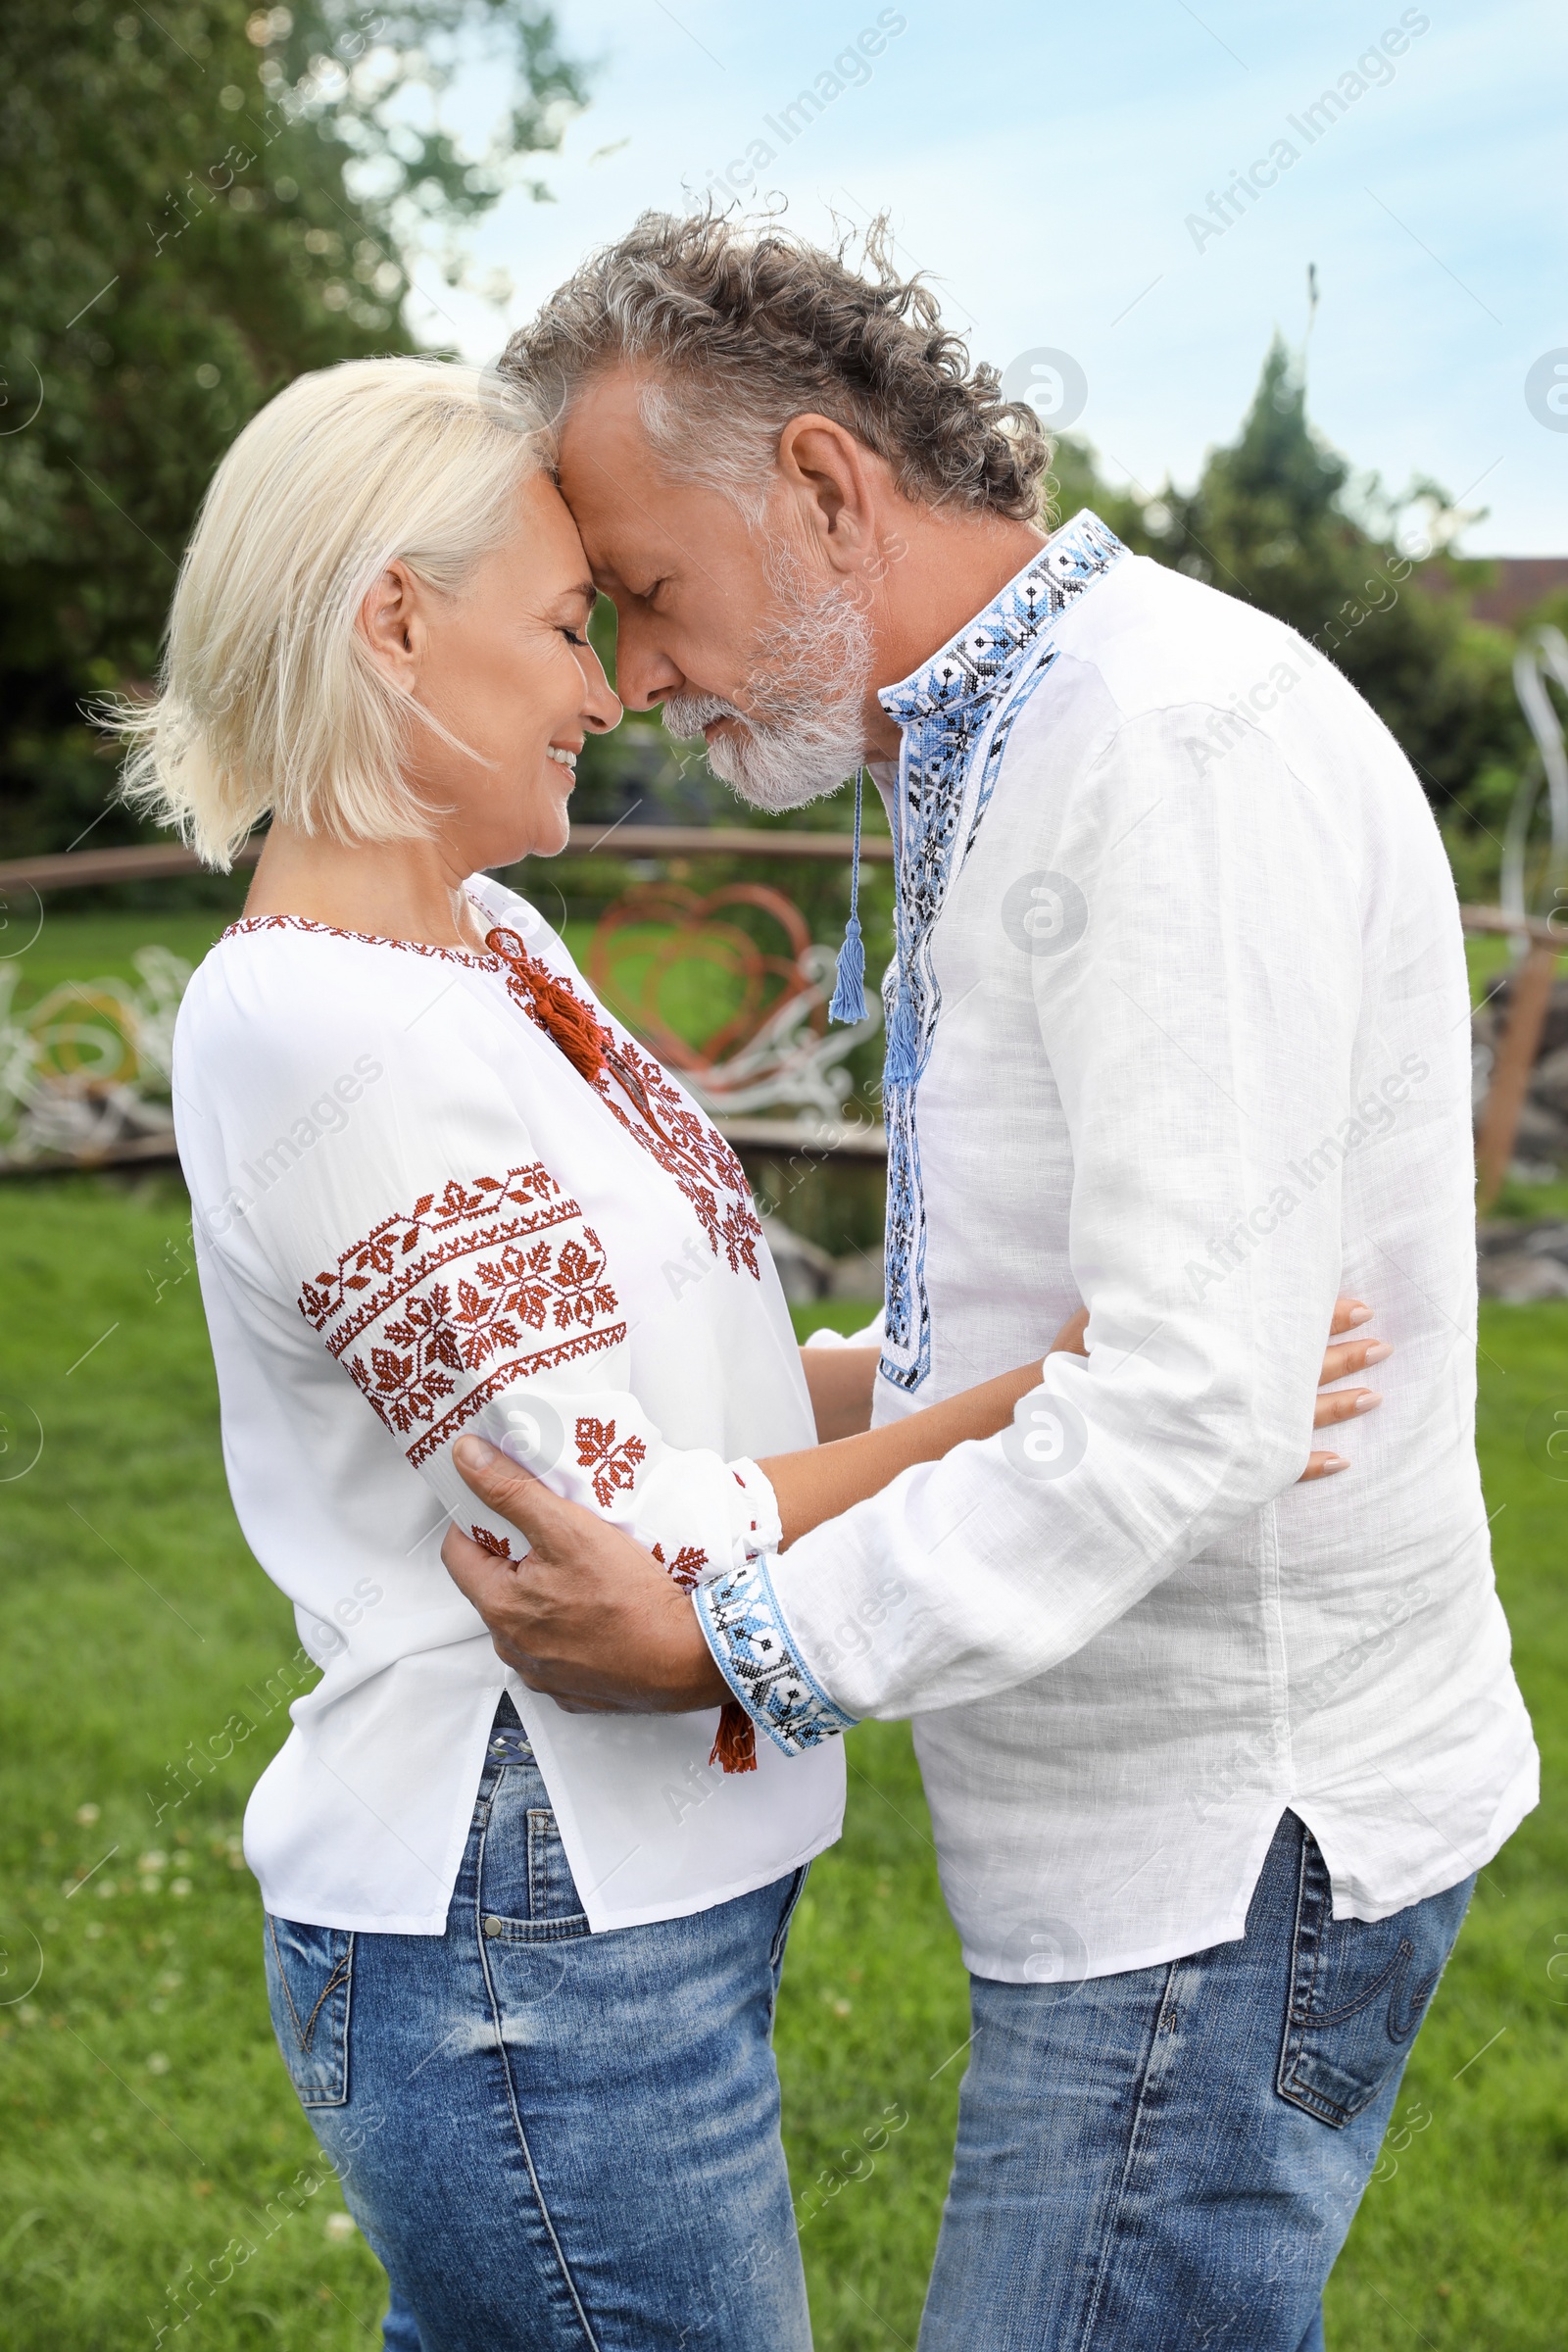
{"x":745,"y":1630}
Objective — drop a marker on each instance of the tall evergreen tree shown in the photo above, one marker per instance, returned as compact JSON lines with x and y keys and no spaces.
{"x":1279,"y":518}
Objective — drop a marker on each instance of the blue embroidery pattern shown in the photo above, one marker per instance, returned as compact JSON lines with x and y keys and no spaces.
{"x":751,"y":1642}
{"x":957,"y":714}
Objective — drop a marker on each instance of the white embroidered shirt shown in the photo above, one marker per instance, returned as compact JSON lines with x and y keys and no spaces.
{"x":414,"y":1217}
{"x":1178,"y":1028}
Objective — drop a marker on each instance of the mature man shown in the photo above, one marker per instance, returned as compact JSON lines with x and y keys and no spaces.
{"x":1177,"y":1027}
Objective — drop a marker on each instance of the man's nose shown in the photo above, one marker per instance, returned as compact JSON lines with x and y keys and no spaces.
{"x":645,"y":674}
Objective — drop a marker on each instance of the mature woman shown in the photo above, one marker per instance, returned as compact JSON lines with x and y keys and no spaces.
{"x":521,"y":1962}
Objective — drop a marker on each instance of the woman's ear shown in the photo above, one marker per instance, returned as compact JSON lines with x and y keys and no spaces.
{"x":391,"y":624}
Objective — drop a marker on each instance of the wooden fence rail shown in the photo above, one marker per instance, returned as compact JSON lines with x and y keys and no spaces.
{"x":1499,"y":1127}
{"x":79,"y":869}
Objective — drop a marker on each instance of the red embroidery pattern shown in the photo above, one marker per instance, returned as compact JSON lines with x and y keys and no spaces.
{"x":690,"y":1149}
{"x":734,"y":1747}
{"x":368,"y":939}
{"x":686,"y":1145}
{"x":498,"y":1547}
{"x":446,"y":1224}
{"x":613,"y":1466}
{"x":453,"y":1285}
{"x":686,"y":1567}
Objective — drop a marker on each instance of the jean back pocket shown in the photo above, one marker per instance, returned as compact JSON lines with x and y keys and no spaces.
{"x":1358,"y":1990}
{"x":309,"y":1973}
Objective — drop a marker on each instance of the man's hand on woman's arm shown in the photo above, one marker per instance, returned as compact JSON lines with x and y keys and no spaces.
{"x":589,"y":1615}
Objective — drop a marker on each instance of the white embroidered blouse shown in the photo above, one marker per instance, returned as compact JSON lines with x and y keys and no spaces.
{"x":413,"y":1216}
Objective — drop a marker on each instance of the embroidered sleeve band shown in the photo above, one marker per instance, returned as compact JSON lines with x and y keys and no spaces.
{"x":435,"y":1312}
{"x":746,"y":1632}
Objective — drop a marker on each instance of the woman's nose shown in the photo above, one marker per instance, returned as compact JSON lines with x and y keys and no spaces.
{"x":601,"y":708}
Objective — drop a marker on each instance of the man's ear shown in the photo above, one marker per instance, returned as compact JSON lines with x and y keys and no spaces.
{"x":841,"y":486}
{"x":391,"y":623}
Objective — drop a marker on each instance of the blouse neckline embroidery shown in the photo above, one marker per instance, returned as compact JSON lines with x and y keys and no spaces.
{"x":483,"y":960}
{"x":687,"y":1146}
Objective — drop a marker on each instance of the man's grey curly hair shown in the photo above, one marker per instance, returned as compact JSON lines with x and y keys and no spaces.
{"x":740,"y":327}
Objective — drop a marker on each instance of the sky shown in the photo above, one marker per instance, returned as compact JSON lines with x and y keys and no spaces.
{"x":1055,"y":171}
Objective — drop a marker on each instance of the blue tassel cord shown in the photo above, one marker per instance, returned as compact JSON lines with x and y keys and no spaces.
{"x":848,"y":995}
{"x":899,"y":1063}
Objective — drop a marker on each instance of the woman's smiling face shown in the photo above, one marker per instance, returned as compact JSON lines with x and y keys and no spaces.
{"x":505,"y":675}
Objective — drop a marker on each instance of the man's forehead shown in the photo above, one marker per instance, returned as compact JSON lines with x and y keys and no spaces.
{"x":629,"y":513}
{"x":609,"y":399}
{"x":604,"y":453}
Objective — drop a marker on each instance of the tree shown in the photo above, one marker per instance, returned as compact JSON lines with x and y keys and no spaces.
{"x":1279,"y":518}
{"x":202,"y":204}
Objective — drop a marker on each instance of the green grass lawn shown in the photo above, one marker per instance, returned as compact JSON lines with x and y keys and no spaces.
{"x":147,"y":2130}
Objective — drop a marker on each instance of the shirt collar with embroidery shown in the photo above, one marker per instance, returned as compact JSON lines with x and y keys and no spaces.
{"x":963,"y":675}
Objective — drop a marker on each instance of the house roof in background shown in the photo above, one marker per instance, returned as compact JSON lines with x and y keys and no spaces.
{"x":1521,"y":582}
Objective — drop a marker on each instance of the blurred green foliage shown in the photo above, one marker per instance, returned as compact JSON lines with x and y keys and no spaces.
{"x":200,"y":205}
{"x":1280,"y":517}
{"x":205,"y":201}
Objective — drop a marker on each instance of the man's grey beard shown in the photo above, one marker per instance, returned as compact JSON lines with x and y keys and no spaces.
{"x":806,"y":729}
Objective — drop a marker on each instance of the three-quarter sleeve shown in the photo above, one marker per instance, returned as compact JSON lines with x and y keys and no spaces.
{"x":491,"y":1306}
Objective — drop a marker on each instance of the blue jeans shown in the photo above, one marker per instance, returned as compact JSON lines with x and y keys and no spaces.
{"x":1172,"y":2157}
{"x":552,"y":2139}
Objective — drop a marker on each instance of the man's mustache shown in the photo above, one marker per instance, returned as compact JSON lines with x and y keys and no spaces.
{"x":685,"y":715}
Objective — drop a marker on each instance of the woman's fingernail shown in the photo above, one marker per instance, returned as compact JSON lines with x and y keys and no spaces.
{"x":1359,"y":1313}
{"x":1378,"y":1353}
{"x":1368,"y":1401}
{"x":1332,"y":1462}
{"x":473,"y":1453}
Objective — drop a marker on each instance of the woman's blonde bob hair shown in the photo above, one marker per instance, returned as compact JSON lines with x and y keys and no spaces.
{"x":269,"y":702}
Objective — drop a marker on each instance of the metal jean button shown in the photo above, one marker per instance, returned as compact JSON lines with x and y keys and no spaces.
{"x":492,"y":1926}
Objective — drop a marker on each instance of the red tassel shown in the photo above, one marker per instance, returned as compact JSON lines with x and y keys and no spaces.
{"x":584,"y":1040}
{"x":586,"y":1043}
{"x":735,"y":1748}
